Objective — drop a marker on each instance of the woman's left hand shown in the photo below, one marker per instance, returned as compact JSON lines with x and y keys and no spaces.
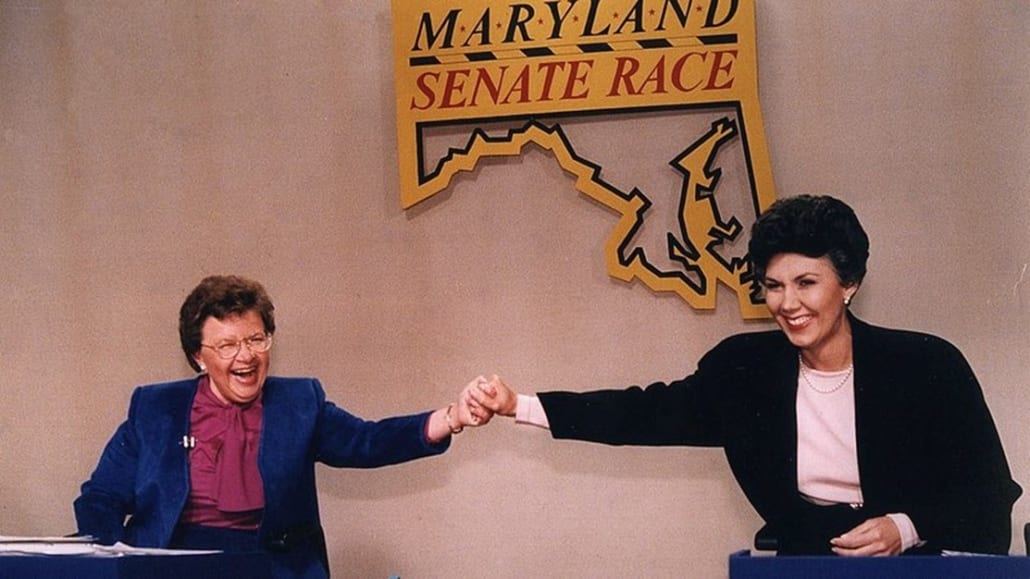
{"x":457,"y":415}
{"x":874,"y":538}
{"x":470,"y":412}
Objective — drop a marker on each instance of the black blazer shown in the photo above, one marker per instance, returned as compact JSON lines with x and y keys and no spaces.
{"x":927,"y":445}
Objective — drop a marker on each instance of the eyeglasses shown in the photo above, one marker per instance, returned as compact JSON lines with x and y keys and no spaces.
{"x":229,"y":350}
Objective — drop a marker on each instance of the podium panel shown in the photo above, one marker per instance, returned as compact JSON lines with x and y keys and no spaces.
{"x":744,"y":566}
{"x":209,"y":566}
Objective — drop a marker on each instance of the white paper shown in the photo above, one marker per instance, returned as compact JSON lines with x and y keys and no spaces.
{"x":14,"y":539}
{"x":82,"y":546}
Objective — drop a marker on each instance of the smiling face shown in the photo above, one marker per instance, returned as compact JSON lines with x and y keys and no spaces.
{"x":806,"y":297}
{"x":239,"y":379}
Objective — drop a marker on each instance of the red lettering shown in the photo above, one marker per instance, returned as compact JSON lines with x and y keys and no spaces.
{"x":690,"y":72}
{"x":549,"y":68}
{"x":678,"y":74}
{"x":575,"y":77}
{"x":483,"y":78}
{"x":493,"y":85}
{"x":520,"y":86}
{"x":423,"y":87}
{"x":656,"y":77}
{"x":718,"y":67}
{"x":625,"y":67}
{"x":453,"y":86}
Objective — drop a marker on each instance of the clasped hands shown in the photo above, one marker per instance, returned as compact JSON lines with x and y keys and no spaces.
{"x":482,"y":398}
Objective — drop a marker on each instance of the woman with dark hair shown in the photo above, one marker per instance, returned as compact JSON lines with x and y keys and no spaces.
{"x":847,"y":438}
{"x":226,"y":460}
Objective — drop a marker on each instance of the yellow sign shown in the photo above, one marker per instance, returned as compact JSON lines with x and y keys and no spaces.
{"x":480,"y":78}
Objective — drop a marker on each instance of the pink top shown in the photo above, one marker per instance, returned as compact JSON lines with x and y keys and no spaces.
{"x":827,"y":451}
{"x":225,"y":484}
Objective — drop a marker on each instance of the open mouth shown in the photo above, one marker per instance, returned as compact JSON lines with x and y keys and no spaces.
{"x":798,"y":322}
{"x":245,"y":373}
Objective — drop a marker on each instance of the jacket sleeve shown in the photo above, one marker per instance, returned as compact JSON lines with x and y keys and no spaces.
{"x":107,"y":498}
{"x":967,"y":504}
{"x":345,"y":440}
{"x":688,"y":411}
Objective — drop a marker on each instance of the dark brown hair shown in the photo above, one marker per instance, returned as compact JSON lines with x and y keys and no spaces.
{"x":220,"y":296}
{"x":814,"y":226}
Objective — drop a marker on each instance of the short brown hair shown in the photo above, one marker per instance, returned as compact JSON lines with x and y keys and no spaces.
{"x":815,"y":226}
{"x":219,"y":296}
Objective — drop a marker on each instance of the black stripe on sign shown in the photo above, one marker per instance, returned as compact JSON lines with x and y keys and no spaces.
{"x":718,"y":39}
{"x":480,"y":56}
{"x":541,"y":51}
{"x":596,"y":47}
{"x":423,"y":60}
{"x":655,"y":43}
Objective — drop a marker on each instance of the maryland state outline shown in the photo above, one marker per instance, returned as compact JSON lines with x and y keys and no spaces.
{"x":486,"y":79}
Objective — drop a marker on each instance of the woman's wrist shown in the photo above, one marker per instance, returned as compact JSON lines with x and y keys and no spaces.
{"x":452,"y":421}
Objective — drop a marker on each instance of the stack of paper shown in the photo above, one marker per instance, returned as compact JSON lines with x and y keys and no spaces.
{"x":80,"y":546}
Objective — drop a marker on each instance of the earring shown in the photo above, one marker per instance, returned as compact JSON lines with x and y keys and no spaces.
{"x":847,"y":301}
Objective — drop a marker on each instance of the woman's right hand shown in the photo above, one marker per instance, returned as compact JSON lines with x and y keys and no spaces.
{"x":496,"y":396}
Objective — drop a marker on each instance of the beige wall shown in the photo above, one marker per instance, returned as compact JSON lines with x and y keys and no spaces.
{"x":146,"y":144}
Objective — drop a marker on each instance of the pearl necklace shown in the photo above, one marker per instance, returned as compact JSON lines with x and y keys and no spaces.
{"x":804,"y":375}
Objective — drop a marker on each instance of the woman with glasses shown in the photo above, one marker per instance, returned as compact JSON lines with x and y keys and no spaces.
{"x":226,"y":460}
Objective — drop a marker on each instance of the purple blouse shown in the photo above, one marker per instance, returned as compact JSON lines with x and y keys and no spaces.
{"x":225,"y":484}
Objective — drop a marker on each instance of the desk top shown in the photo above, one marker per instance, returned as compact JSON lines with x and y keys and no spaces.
{"x":206,"y":566}
{"x":745,"y":566}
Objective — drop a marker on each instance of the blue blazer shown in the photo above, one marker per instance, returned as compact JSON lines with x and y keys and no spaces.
{"x":143,"y":472}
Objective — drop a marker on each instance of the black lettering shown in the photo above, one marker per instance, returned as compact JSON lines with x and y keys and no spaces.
{"x":520,"y":15}
{"x":588,"y":29}
{"x":482,"y":29}
{"x":636,"y":16}
{"x":681,"y":13}
{"x":713,"y":7}
{"x":558,"y":19}
{"x":425,"y":26}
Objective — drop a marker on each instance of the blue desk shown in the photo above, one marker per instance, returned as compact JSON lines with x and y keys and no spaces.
{"x":744,"y":566}
{"x":219,"y":566}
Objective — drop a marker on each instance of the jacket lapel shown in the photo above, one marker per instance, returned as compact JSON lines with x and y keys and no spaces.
{"x":785,"y":375}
